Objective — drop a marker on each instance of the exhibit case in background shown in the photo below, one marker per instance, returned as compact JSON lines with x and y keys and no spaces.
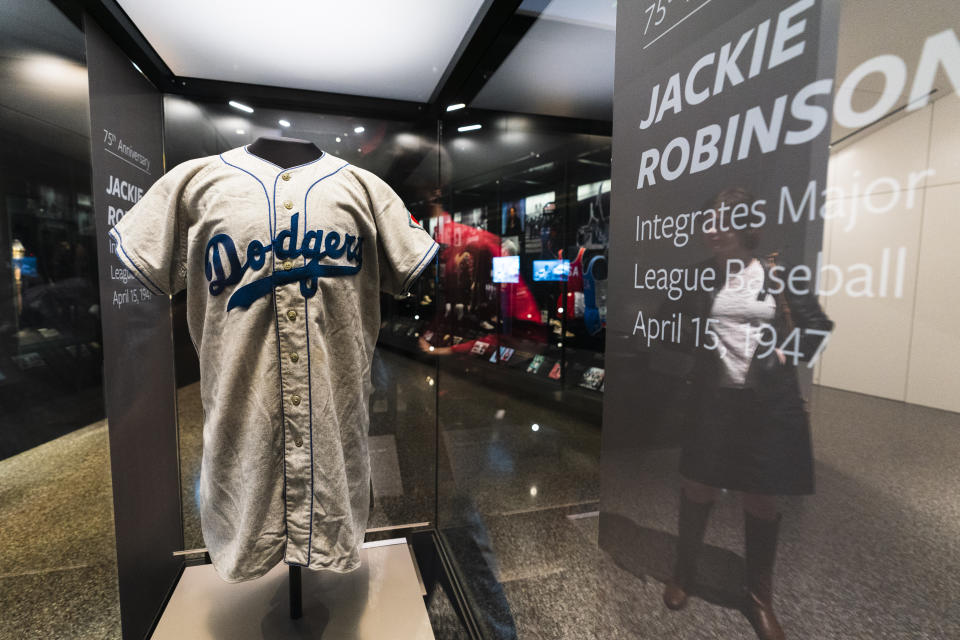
{"x":684,"y":365}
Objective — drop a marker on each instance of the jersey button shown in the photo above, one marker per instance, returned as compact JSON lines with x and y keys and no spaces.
{"x":295,"y":399}
{"x":285,"y":177}
{"x":291,"y":315}
{"x":287,"y":265}
{"x":288,"y":204}
{"x":294,"y":357}
{"x":298,"y":441}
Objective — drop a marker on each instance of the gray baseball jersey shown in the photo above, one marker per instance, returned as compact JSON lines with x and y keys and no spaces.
{"x":283,"y":269}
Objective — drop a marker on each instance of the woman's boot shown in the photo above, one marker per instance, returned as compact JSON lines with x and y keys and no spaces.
{"x":691,"y":527}
{"x":761,"y":548}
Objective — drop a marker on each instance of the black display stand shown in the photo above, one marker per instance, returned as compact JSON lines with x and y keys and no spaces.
{"x":296,"y":594}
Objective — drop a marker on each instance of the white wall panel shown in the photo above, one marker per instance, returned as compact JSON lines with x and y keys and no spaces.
{"x":935,"y":351}
{"x":895,"y":153}
{"x":945,"y":142}
{"x":869,"y":349}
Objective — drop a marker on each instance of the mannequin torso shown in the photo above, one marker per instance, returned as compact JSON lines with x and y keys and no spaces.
{"x":284,"y":152}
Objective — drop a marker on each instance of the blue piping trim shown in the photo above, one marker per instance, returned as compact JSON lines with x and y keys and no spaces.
{"x":277,"y":177}
{"x":424,"y":261}
{"x":320,"y":180}
{"x":276,"y":327}
{"x":158,"y":291}
{"x":309,"y":378}
{"x":283,"y":424}
{"x":306,"y":316}
{"x":271,"y":222}
{"x":276,"y":310}
{"x":267,"y":195}
{"x":280,"y":364}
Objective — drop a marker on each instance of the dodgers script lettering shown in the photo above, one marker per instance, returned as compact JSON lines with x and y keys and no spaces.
{"x":222,"y":266}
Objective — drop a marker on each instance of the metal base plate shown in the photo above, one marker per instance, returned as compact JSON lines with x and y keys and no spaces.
{"x":381,"y":600}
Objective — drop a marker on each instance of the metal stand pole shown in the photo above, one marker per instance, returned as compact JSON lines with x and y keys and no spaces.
{"x":296,"y":594}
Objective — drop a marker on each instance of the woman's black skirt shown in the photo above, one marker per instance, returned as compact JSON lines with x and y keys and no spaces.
{"x":742,"y":443}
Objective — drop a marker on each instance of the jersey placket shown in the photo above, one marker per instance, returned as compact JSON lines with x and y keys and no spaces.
{"x":294,"y":376}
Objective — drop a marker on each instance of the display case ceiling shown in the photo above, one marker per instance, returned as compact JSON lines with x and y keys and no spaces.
{"x":376,"y":48}
{"x":543,"y":57}
{"x":563,"y":66}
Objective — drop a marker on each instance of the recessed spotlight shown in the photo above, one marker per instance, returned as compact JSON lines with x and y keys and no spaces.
{"x":338,"y":138}
{"x":455,"y":107}
{"x":241,"y":106}
{"x":284,"y":123}
{"x":469,"y":127}
{"x":241,"y":131}
{"x":533,"y":491}
{"x":358,"y":129}
{"x":534,"y":427}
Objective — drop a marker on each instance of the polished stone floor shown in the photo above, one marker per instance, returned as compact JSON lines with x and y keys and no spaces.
{"x":58,"y":574}
{"x":874,"y":554}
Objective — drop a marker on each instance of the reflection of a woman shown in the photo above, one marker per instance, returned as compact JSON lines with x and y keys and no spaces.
{"x":750,"y":432}
{"x":513,"y":227}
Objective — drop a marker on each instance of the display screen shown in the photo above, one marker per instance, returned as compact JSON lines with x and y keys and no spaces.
{"x":551,"y":270}
{"x":506,"y":269}
{"x":27,"y":266}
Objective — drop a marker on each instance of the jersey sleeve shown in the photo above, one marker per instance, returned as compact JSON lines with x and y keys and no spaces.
{"x":150,"y":240}
{"x":404,"y":247}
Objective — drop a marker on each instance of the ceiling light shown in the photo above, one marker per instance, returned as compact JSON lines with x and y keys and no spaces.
{"x":358,"y":129}
{"x":534,"y":427}
{"x":241,"y":106}
{"x":533,"y":491}
{"x":454,"y":107}
{"x":469,"y":127}
{"x":284,"y":123}
{"x":338,"y":138}
{"x":241,"y":131}
{"x":136,"y":67}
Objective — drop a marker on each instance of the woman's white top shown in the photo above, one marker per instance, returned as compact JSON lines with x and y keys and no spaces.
{"x":738,"y":316}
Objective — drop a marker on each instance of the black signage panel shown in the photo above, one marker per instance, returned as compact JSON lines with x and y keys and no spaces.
{"x":127,"y":157}
{"x":722,"y":118}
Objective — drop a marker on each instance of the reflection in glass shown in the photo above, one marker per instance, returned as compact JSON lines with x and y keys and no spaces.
{"x":748,"y":431}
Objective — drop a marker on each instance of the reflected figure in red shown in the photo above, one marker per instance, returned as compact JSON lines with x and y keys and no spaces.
{"x":472,"y":301}
{"x":749,"y":431}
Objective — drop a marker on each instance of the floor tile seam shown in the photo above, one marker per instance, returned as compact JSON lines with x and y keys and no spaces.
{"x":505,"y":577}
{"x":71,"y":567}
{"x":517,"y":512}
